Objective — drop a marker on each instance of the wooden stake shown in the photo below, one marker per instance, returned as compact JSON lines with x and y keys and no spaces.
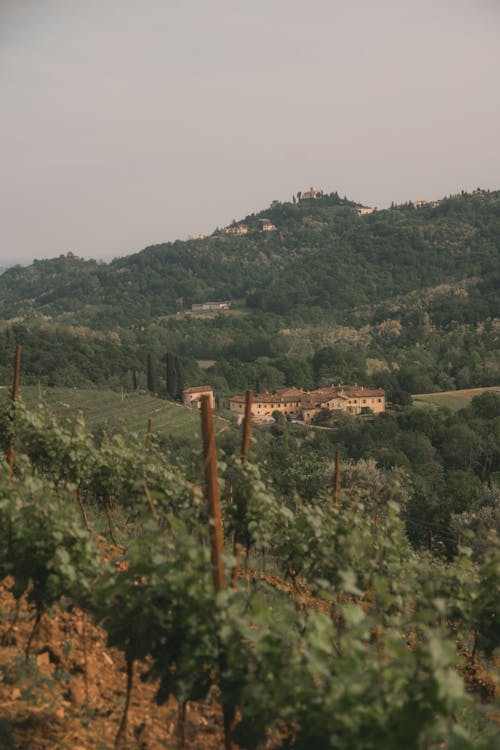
{"x":212,"y":489}
{"x":430,"y":541}
{"x":15,"y":397}
{"x":79,"y":502}
{"x":245,"y":444}
{"x":17,"y":374}
{"x":336,"y":491}
{"x":216,"y":533}
{"x":149,"y":434}
{"x":459,"y":545}
{"x":121,"y":737}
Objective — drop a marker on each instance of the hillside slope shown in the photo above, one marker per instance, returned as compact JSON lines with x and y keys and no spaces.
{"x":322,"y":255}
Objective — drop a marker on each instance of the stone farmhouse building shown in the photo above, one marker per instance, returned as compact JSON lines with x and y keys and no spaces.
{"x":305,"y":405}
{"x":208,"y":306}
{"x":267,"y":225}
{"x":192,"y":396}
{"x":238,"y":229}
{"x":310,"y":195}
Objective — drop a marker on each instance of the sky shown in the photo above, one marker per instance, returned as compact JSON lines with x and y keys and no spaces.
{"x":127,"y":123}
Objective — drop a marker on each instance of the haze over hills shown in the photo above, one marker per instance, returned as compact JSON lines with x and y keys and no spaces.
{"x":400,"y":290}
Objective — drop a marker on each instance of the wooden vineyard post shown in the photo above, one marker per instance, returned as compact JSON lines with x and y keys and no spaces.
{"x":245,"y":444}
{"x":149,"y":434}
{"x":430,"y":541}
{"x":15,"y":397}
{"x":247,"y":421}
{"x":336,"y":488}
{"x":212,"y":488}
{"x":216,"y":533}
{"x":459,"y":545}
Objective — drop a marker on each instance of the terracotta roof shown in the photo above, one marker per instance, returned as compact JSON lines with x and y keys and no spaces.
{"x":358,"y":392}
{"x":198,"y":389}
{"x":240,"y":399}
{"x":310,"y":399}
{"x":267,"y":398}
{"x":278,"y":397}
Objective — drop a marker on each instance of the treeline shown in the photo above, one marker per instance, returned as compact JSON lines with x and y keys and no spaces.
{"x":59,"y":356}
{"x":403,"y":354}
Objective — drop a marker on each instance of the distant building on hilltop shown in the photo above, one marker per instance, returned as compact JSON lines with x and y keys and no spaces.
{"x":192,"y":396}
{"x":267,"y":225}
{"x":305,"y":405}
{"x":238,"y":229}
{"x":310,"y":194}
{"x":364,"y":210}
{"x":210,"y":306}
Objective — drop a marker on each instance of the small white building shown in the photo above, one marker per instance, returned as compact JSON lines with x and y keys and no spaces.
{"x":192,"y":396}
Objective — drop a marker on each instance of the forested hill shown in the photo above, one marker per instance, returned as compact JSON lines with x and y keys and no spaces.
{"x":323,"y":257}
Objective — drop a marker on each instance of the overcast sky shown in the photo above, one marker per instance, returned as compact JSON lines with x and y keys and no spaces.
{"x":130,"y":122}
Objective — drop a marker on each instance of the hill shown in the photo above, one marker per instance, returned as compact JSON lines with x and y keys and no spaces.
{"x":405,"y":299}
{"x":321,"y":255}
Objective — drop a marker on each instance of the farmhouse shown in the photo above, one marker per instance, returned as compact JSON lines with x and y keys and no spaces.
{"x":208,"y":306}
{"x":287,"y":401}
{"x":192,"y":396}
{"x":310,"y":194}
{"x":238,"y":229}
{"x":305,"y":405}
{"x":267,"y":225}
{"x":364,"y":210}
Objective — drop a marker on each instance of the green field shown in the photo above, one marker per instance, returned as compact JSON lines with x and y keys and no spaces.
{"x":454,"y":400}
{"x":114,"y":411}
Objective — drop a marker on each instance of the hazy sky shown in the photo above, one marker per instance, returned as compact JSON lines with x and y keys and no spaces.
{"x":130,"y":122}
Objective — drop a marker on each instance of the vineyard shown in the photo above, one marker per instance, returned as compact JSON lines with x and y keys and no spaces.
{"x":251,"y":619}
{"x":110,"y":410}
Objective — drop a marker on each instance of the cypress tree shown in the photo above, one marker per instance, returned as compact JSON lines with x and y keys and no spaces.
{"x":180,"y":377}
{"x":172,"y":388}
{"x":151,"y":376}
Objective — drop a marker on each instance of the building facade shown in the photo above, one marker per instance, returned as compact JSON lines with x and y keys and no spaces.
{"x":192,"y":396}
{"x":305,"y":405}
{"x":209,"y":306}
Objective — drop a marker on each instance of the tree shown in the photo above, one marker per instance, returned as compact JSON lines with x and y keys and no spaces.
{"x":151,"y":375}
{"x":172,"y":388}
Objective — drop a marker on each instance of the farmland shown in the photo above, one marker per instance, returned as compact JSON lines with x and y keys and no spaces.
{"x":454,"y":400}
{"x":104,"y":408}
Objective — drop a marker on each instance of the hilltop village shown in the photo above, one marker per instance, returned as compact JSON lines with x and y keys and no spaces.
{"x":297,"y":403}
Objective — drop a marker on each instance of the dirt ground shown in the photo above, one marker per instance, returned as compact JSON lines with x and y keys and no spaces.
{"x":70,"y":694}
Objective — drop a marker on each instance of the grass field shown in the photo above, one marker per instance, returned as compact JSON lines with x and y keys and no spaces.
{"x":106,"y":408}
{"x":452,"y":399}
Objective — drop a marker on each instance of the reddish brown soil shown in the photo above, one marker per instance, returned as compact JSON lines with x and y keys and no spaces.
{"x":82,"y":708}
{"x":73,"y":698}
